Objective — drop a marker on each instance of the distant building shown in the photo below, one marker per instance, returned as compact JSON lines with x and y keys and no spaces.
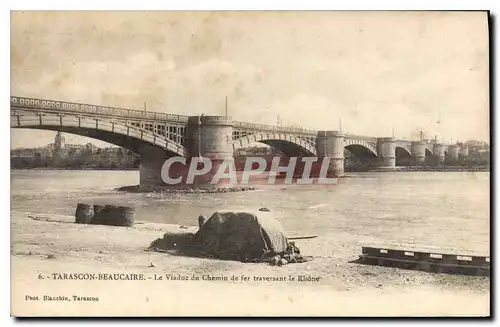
{"x":59,"y":144}
{"x":90,"y":148}
{"x":62,"y":149}
{"x":73,"y":156}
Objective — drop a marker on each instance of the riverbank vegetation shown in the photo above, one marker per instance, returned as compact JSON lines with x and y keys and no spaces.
{"x":121,"y":160}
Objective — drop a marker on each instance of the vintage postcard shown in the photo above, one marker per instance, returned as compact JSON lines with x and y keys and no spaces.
{"x":260,"y":163}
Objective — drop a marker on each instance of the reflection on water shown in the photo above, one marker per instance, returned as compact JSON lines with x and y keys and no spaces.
{"x":442,"y":209}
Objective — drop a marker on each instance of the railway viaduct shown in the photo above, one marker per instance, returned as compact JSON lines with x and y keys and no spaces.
{"x":157,"y":136}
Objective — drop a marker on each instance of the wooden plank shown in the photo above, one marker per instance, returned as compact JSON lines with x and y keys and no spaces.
{"x":479,"y":260}
{"x":426,"y":261}
{"x":424,"y":248}
{"x":364,"y":257}
{"x":370,"y":250}
{"x":422,"y":256}
{"x":388,"y":252}
{"x":395,"y":254}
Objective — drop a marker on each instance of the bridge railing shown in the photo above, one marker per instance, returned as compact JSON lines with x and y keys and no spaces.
{"x":271,"y":128}
{"x":403,"y":141}
{"x":370,"y":138}
{"x":360,"y":137}
{"x":61,"y":106}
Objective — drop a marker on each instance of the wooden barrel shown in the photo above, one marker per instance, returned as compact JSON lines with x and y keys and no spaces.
{"x":108,"y":214}
{"x":98,"y":217}
{"x":124,"y":216}
{"x":113,"y":215}
{"x":84,"y":213}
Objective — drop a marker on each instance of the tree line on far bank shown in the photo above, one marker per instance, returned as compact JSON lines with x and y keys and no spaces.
{"x":119,"y":160}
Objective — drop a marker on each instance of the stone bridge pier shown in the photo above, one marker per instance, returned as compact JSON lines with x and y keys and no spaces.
{"x":330,"y":144}
{"x":464,"y":151}
{"x":439,"y":150}
{"x":208,"y":137}
{"x":151,"y":162}
{"x":418,"y":151}
{"x":453,"y":151}
{"x":386,"y":149}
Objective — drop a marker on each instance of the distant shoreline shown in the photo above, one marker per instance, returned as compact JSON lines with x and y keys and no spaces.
{"x":77,"y":169}
{"x":435,"y":169}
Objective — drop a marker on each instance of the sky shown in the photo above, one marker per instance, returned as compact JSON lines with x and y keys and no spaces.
{"x":374,"y":71}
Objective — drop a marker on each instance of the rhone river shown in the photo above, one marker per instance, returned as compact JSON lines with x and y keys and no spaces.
{"x":443,"y":209}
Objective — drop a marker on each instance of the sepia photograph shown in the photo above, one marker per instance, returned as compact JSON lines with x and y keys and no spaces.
{"x":250,"y":163}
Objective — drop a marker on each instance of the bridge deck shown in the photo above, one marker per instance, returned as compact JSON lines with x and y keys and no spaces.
{"x":81,"y":108}
{"x":75,"y":108}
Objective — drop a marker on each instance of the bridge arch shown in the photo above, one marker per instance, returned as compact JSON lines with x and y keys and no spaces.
{"x":405,"y":147}
{"x":289,"y":144}
{"x":358,"y":154}
{"x":360,"y":148}
{"x":402,"y":150}
{"x":403,"y":155}
{"x":115,"y":132}
{"x":360,"y":151}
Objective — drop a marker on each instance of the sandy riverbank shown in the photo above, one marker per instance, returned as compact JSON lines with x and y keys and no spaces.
{"x":55,"y":245}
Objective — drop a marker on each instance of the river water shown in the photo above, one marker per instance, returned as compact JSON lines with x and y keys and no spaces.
{"x":446,"y":209}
